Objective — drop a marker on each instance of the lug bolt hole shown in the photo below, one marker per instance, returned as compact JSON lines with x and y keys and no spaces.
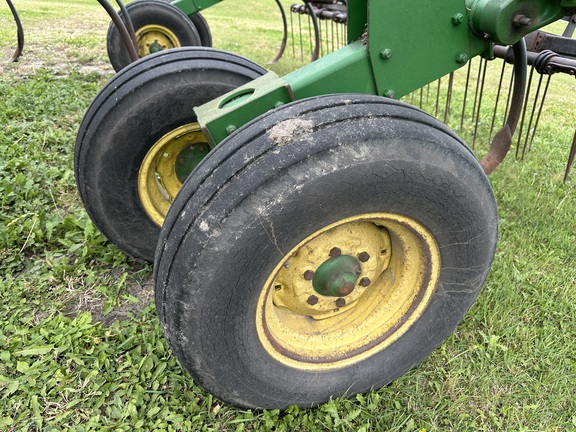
{"x":335,"y":252}
{"x":340,"y":302}
{"x":309,"y":275}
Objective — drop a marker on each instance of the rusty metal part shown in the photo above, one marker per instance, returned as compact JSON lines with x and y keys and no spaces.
{"x":502,"y":142}
{"x":284,"y":35}
{"x":20,"y":33}
{"x":122,"y":29}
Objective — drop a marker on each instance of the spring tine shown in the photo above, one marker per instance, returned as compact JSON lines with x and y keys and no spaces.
{"x":314,"y":46}
{"x":128,"y":23}
{"x":19,"y":33}
{"x":292,"y":34}
{"x":421,"y":96}
{"x":478,"y":79}
{"x":485,"y":63}
{"x":301,"y":38}
{"x":449,"y":97}
{"x":570,"y":158}
{"x":126,"y":38}
{"x":540,"y":111}
{"x":330,"y":41}
{"x":465,"y":95}
{"x":509,"y":95}
{"x":526,"y":99}
{"x":438,"y":97}
{"x":495,"y":112}
{"x":280,"y":52}
{"x":531,"y":121}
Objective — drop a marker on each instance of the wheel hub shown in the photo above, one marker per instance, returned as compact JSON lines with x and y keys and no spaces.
{"x":337,"y":277}
{"x":347,"y":291}
{"x":166,"y":166}
{"x":153,"y":38}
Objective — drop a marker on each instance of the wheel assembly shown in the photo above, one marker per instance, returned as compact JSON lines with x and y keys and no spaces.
{"x":139,"y":140}
{"x":158,"y":26}
{"x":324,"y":249}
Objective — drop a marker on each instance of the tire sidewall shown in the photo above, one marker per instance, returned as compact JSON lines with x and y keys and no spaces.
{"x":148,"y":12}
{"x":136,"y":108}
{"x":213,"y":331}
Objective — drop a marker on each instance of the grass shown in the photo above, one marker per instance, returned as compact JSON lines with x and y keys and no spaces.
{"x":80,"y":346}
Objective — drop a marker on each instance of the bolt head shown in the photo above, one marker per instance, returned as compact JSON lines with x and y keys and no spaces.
{"x":309,"y":275}
{"x":335,"y":252}
{"x":457,"y":19}
{"x":364,"y":282}
{"x":363,"y":256}
{"x":312,"y":300}
{"x":462,"y":58}
{"x":340,"y":302}
{"x":390,"y":94}
{"x":385,"y":54}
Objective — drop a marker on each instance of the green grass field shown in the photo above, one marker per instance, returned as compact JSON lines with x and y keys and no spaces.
{"x":80,"y":346}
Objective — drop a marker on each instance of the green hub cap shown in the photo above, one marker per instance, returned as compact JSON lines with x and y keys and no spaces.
{"x":337,"y":277}
{"x":155,"y":47}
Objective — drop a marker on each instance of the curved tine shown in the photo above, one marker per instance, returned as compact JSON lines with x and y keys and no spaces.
{"x":128,"y":22}
{"x":502,"y":141}
{"x":316,"y":52}
{"x":284,"y":37}
{"x":121,"y":29}
{"x":20,"y":33}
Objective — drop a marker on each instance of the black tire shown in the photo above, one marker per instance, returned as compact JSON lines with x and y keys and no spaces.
{"x":203,"y":29}
{"x":201,"y":26}
{"x":145,"y":13}
{"x":153,"y":96}
{"x":283,"y":177}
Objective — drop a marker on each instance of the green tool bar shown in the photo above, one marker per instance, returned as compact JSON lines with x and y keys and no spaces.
{"x":190,"y":7}
{"x":404,"y":46}
{"x":345,"y":71}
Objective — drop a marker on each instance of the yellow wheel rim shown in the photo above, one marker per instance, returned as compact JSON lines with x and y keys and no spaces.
{"x":166,"y":166}
{"x":397,"y":270}
{"x":153,"y":38}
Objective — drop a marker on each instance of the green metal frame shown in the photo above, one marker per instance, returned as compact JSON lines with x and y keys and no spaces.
{"x":190,"y":7}
{"x":382,"y":58}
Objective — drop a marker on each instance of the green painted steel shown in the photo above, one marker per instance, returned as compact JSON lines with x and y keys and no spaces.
{"x":413,"y":42}
{"x":507,"y":21}
{"x":189,"y":159}
{"x":395,"y":47}
{"x":222,"y":116}
{"x":190,"y":7}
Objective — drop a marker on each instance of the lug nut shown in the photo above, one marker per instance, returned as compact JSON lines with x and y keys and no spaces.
{"x":364,"y":282}
{"x":335,"y":252}
{"x":308,"y":275}
{"x":363,"y":256}
{"x":312,"y":300}
{"x":340,"y":302}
